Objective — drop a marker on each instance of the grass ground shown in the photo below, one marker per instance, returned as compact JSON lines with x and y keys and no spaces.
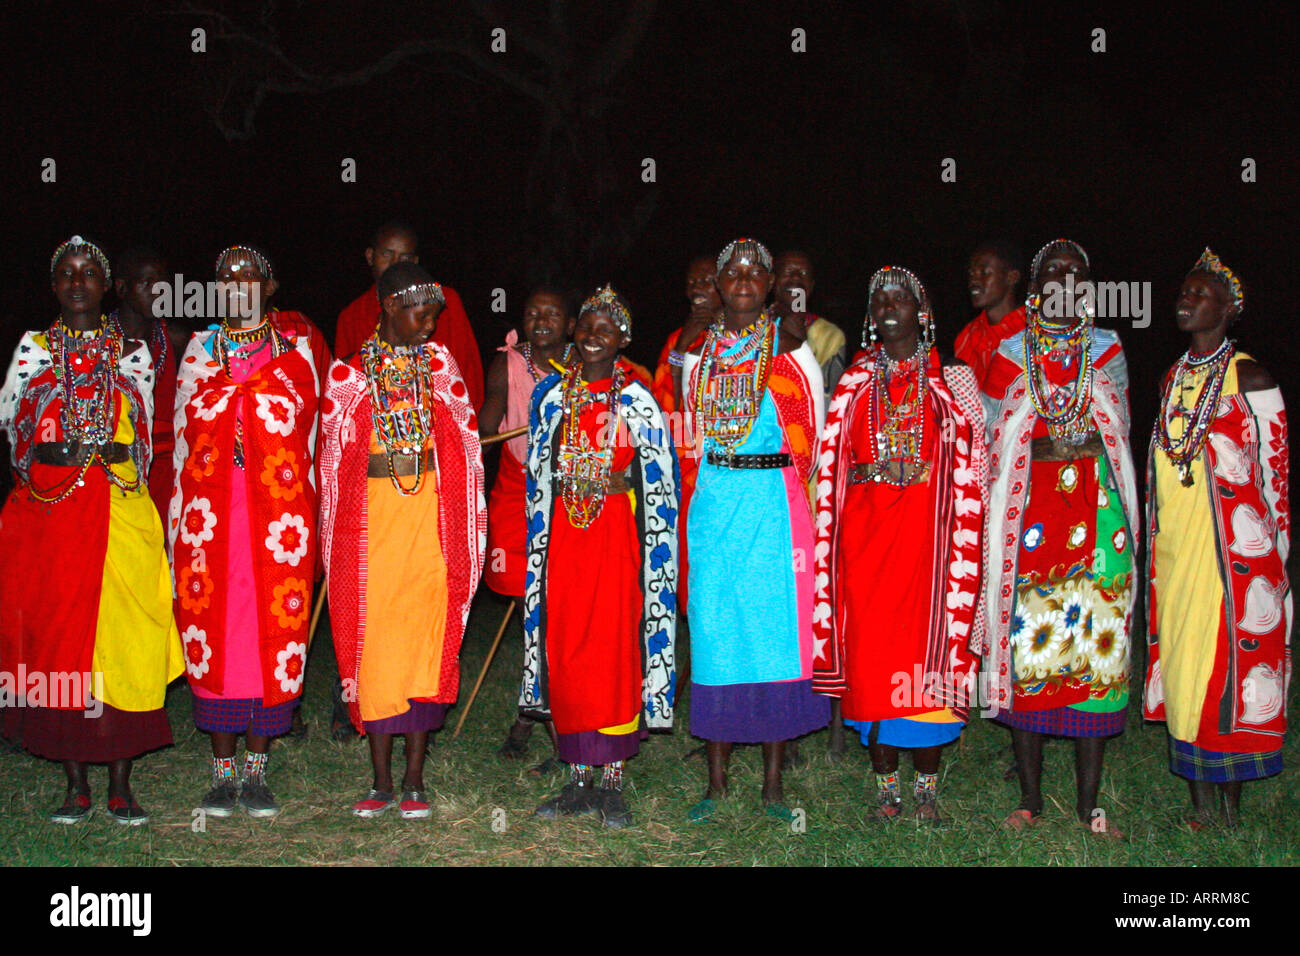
{"x":483,"y":804}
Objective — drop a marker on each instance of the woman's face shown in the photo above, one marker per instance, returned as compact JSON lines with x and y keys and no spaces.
{"x":895,"y":312}
{"x":598,"y":338}
{"x":409,"y":325}
{"x":744,"y":286}
{"x":79,"y":283}
{"x":1203,"y":304}
{"x":245,"y":289}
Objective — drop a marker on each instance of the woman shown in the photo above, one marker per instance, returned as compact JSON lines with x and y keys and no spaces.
{"x":1218,"y":526}
{"x":899,"y":515}
{"x":403,"y":526}
{"x":754,"y":396}
{"x":85,"y":593}
{"x":599,"y":626}
{"x":243,"y":523}
{"x":1063,"y":506}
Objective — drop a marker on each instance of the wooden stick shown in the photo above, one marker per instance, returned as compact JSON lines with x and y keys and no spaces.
{"x":315,"y":613}
{"x":504,"y":436}
{"x":483,"y":673}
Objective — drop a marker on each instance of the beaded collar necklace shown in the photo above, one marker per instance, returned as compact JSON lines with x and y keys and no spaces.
{"x":726,"y":401}
{"x":1064,"y":408}
{"x":584,"y":470}
{"x":527,"y":351}
{"x":88,"y":421}
{"x":394,"y":373}
{"x":899,"y":427}
{"x":1209,"y":371}
{"x":231,"y":340}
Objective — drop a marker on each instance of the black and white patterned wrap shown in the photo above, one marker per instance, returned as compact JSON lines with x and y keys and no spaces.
{"x":654,"y":478}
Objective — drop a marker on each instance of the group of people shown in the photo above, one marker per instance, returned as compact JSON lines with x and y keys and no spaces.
{"x":889,"y":541}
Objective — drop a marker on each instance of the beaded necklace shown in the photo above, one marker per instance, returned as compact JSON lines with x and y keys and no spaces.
{"x":1064,"y":409}
{"x":1209,"y":372}
{"x":899,"y":427}
{"x":584,"y":470}
{"x":238,"y":338}
{"x":395,"y":373}
{"x":728,"y":402}
{"x":532,"y":369}
{"x":90,"y":420}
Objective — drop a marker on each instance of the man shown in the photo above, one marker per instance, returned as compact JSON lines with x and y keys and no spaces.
{"x":792,"y":288}
{"x":138,"y":270}
{"x":397,"y":242}
{"x":992,"y":278}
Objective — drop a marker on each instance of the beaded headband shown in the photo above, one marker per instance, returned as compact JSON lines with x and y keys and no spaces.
{"x":608,"y":301}
{"x":258,"y":260}
{"x":421,"y":293}
{"x":1056,"y":245}
{"x":1212,"y":265}
{"x":747,"y":252}
{"x":896,"y":277}
{"x":82,"y":247}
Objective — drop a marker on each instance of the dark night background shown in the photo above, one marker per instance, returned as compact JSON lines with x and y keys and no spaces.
{"x":1135,"y":152}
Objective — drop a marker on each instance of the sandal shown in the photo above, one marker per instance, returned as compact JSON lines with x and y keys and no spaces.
{"x":415,"y":805}
{"x":546,"y":767}
{"x":374,"y":803}
{"x":126,"y":811}
{"x":1020,"y":819}
{"x":76,"y":807}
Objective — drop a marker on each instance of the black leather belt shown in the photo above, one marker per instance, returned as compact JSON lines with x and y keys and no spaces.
{"x":73,"y":454}
{"x":403,"y":465}
{"x":780,"y":460}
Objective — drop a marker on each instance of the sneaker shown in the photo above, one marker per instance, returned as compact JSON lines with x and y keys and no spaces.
{"x":613,"y":809}
{"x":414,"y":805}
{"x":222,"y":799}
{"x":257,"y":800}
{"x":374,"y":803}
{"x":574,"y":798}
{"x":127,"y":812}
{"x":76,"y":807}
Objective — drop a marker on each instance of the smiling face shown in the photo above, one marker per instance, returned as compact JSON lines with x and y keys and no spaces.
{"x":1204,"y":305}
{"x":702,"y":289}
{"x":599,"y":340}
{"x":743,"y":287}
{"x":245,"y":288}
{"x":390,"y":248}
{"x":989,"y":279}
{"x":547,"y":322}
{"x":895,"y":312}
{"x":408,"y":325}
{"x":792,"y":272}
{"x":79,"y":283}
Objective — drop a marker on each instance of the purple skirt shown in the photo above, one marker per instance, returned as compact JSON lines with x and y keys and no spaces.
{"x":243,"y":715}
{"x":593,"y":747}
{"x":757,"y":713}
{"x":423,"y":716}
{"x":71,"y":735}
{"x":1065,"y":721}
